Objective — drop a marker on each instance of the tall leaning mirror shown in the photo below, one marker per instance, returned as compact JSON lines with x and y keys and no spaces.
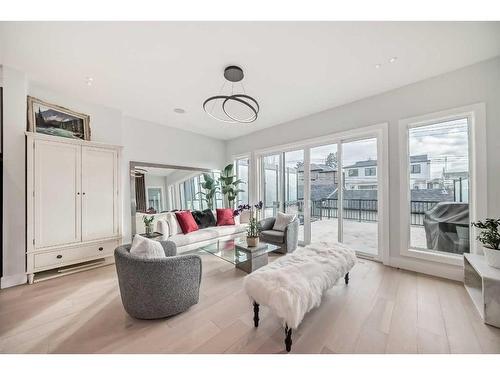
{"x":158,"y":188}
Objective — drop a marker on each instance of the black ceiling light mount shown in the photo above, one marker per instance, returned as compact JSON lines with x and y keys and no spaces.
{"x":234,"y":107}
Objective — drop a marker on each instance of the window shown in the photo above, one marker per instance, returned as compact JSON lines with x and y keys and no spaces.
{"x":352,"y":173}
{"x":444,"y":148}
{"x":371,"y":171}
{"x":271,"y":173}
{"x":242,"y":170}
{"x":155,"y":198}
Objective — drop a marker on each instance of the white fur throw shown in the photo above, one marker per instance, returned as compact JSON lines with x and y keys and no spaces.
{"x":293,"y":285}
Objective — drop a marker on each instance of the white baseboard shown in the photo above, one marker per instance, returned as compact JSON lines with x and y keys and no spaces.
{"x":446,"y":271}
{"x":13,"y":280}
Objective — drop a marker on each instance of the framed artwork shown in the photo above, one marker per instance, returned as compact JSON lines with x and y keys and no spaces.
{"x":55,"y":120}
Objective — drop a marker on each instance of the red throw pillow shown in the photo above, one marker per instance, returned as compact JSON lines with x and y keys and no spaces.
{"x":186,"y":221}
{"x":225,"y":216}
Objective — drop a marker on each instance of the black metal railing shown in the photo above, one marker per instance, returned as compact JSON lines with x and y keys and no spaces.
{"x":354,"y":209}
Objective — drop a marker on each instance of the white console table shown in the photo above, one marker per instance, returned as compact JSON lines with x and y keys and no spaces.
{"x":482,"y":282}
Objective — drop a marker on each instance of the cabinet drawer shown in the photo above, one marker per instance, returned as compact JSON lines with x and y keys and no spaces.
{"x":74,"y":255}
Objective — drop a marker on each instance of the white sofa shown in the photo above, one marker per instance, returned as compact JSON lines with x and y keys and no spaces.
{"x":199,"y":238}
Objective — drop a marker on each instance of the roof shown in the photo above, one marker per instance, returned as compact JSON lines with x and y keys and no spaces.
{"x":453,"y":175}
{"x":373,"y":162}
{"x":318,"y":167}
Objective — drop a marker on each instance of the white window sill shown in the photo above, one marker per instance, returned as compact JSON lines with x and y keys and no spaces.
{"x":456,"y":260}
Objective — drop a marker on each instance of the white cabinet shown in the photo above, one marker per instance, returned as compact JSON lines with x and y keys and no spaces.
{"x":57,"y":194}
{"x":99,"y":193}
{"x":73,"y":202}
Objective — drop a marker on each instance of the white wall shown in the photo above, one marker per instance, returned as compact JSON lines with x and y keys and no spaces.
{"x":473,"y":84}
{"x":148,"y":142}
{"x":142,"y":141}
{"x":14,"y":200}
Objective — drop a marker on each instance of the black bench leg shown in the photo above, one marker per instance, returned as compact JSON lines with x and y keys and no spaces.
{"x":346,"y":278}
{"x":288,"y":338}
{"x":256,"y":314}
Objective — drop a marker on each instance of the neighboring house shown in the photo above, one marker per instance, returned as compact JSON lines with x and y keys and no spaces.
{"x":420,"y":171}
{"x":362,"y":175}
{"x":319,"y":174}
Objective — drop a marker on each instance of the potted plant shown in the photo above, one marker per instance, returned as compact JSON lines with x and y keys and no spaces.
{"x":210,"y":189}
{"x":490,"y":238}
{"x":229,"y":185}
{"x":253,"y":230}
{"x":148,"y":224}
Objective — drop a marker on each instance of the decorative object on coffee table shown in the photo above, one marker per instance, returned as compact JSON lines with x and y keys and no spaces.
{"x":240,"y":254}
{"x":253,"y":230}
{"x":490,"y":238}
{"x":148,"y":224}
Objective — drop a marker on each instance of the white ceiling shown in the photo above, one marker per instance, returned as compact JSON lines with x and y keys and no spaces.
{"x":146,"y":69}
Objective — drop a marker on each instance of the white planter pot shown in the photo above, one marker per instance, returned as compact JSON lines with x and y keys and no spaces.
{"x":492,"y":257}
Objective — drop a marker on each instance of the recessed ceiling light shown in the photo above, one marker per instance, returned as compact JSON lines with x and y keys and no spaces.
{"x":377,"y":66}
{"x":89,"y":81}
{"x":179,"y":110}
{"x":393,"y":59}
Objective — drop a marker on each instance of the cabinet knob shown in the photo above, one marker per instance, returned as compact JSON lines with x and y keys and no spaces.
{"x":59,"y":256}
{"x":101,"y":249}
{"x":83,"y":193}
{"x":78,"y":193}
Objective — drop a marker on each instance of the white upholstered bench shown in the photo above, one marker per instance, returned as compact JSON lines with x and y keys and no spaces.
{"x":293,"y":285}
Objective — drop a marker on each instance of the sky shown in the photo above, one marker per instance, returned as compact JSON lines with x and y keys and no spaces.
{"x":446,"y":144}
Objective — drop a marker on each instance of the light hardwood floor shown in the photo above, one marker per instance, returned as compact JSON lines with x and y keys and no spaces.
{"x":383,"y":310}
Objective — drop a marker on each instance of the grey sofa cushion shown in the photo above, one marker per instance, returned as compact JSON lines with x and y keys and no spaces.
{"x":273,"y":236}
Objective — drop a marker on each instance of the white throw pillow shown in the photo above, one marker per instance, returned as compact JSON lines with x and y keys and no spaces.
{"x":162,"y":227}
{"x":282,"y":220}
{"x":244,"y":217}
{"x":173,"y":225}
{"x":145,"y":248}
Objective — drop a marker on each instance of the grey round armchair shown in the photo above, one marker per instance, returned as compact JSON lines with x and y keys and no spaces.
{"x":157,"y":288}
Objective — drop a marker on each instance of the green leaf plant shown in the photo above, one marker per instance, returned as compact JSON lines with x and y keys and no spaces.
{"x":489,"y":236}
{"x":210,"y":188}
{"x":230,"y":185}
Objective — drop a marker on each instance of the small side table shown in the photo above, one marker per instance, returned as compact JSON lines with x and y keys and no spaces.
{"x":151,"y":236}
{"x":482,"y":282}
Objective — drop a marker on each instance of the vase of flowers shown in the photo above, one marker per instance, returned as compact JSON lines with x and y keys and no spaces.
{"x":253,"y":230}
{"x":148,"y":224}
{"x":490,"y":238}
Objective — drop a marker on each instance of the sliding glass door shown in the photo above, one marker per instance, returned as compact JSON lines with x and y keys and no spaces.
{"x":271,"y":179}
{"x":360,"y":201}
{"x":333,"y":188}
{"x":324,"y":182}
{"x":293,"y":184}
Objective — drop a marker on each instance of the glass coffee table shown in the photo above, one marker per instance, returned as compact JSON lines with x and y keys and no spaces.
{"x":237,"y":252}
